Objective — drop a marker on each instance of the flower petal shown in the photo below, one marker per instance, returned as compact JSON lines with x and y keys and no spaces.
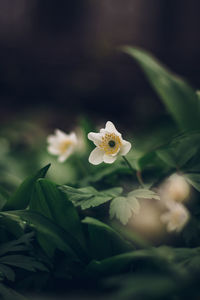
{"x":110,"y":127}
{"x":96,"y":138}
{"x":108,"y":159}
{"x":53,"y":150}
{"x":96,"y":156}
{"x":126,"y":146}
{"x":61,"y":135}
{"x":73,"y":137}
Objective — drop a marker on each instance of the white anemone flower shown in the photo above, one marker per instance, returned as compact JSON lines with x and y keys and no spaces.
{"x":109,"y":144}
{"x":176,"y":218}
{"x":62,"y":144}
{"x":123,"y":208}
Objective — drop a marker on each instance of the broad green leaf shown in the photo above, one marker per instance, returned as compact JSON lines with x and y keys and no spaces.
{"x":179,"y":152}
{"x":103,"y":240}
{"x":123,"y":262}
{"x":45,"y":226}
{"x":194,"y":180}
{"x":89,"y":197}
{"x":51,"y":202}
{"x":21,"y":198}
{"x":179,"y":98}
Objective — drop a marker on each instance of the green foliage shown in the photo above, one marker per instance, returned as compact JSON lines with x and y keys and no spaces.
{"x":73,"y":245}
{"x":103,"y":240}
{"x":89,"y":197}
{"x":21,"y":197}
{"x":179,"y":98}
{"x":48,"y":200}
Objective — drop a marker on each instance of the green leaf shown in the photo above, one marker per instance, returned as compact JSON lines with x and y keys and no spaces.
{"x":103,"y":240}
{"x":180,"y":150}
{"x":7,"y":272}
{"x":123,"y":262}
{"x":89,"y":197}
{"x":24,"y":262}
{"x":9,"y":294}
{"x":179,"y":98}
{"x":194,"y":180}
{"x":3,"y":197}
{"x":51,"y":202}
{"x":45,"y":226}
{"x":20,"y":244}
{"x":21,"y":198}
{"x":144,"y":194}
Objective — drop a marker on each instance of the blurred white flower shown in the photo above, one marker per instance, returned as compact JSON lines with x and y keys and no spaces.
{"x":122,"y":208}
{"x":177,"y":216}
{"x":175,"y":188}
{"x":109,"y":144}
{"x":62,"y":144}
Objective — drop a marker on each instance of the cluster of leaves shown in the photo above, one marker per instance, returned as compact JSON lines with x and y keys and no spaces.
{"x":74,"y":244}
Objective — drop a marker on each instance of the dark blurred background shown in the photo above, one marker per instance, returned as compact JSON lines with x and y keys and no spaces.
{"x":59,"y":59}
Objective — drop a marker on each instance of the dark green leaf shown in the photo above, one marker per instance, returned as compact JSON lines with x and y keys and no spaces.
{"x":45,"y":226}
{"x":103,"y":240}
{"x":177,"y":95}
{"x":51,"y":202}
{"x":21,"y":198}
{"x":89,"y":197}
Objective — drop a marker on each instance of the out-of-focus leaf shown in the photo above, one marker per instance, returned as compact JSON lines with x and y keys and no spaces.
{"x":21,"y":198}
{"x":20,"y":244}
{"x":89,"y":197}
{"x":7,"y":293}
{"x":179,"y":98}
{"x":194,"y":180}
{"x":3,"y":197}
{"x":7,"y":272}
{"x":179,"y":152}
{"x":103,"y":240}
{"x":51,"y":202}
{"x":45,"y":226}
{"x":144,"y":194}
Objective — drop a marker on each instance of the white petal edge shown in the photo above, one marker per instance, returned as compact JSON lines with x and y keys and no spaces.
{"x":96,"y":156}
{"x":110,"y":127}
{"x":53,"y":150}
{"x":126,"y":147}
{"x":108,"y":159}
{"x":96,"y":138}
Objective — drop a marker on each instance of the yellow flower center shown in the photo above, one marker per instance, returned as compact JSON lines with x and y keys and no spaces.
{"x":64,"y":146}
{"x":110,"y":143}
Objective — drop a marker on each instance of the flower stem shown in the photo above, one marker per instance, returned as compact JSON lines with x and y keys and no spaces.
{"x":138,"y":173}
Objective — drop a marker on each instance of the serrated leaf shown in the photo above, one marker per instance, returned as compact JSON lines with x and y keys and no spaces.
{"x":21,"y":198}
{"x":89,"y":197}
{"x":51,"y":202}
{"x":178,"y":96}
{"x":144,"y":194}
